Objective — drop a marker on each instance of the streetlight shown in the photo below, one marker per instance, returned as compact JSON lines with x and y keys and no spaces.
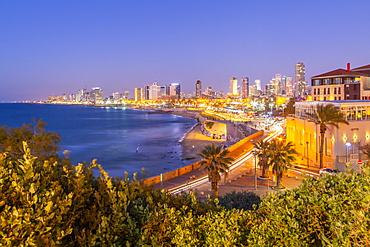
{"x":255,"y":168}
{"x":347,"y":146}
{"x":308,"y":161}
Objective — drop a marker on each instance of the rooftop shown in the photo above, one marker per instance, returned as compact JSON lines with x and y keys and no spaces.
{"x":340,"y":73}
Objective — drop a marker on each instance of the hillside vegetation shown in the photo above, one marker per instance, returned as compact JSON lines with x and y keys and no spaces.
{"x":48,"y":202}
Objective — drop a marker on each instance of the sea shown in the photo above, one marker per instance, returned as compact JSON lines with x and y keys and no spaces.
{"x":121,"y":139}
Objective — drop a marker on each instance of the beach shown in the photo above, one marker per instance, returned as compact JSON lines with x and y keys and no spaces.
{"x":195,"y":141}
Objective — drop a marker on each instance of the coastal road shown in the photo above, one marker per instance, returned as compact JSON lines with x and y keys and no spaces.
{"x":246,"y":157}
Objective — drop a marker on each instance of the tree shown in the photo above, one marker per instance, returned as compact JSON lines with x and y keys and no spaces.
{"x":263,"y":148}
{"x":214,"y":161}
{"x":290,"y":107}
{"x":281,"y":158}
{"x":44,"y":144}
{"x":324,"y":115}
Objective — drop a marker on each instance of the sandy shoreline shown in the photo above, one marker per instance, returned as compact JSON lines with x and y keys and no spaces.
{"x":194,"y":141}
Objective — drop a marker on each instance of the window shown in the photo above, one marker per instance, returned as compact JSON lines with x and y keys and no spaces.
{"x":339,"y":90}
{"x":337,"y":80}
{"x":324,"y":90}
{"x":318,"y":91}
{"x":326,"y":81}
{"x":314,"y":91}
{"x":328,"y":90}
{"x":335,"y":90}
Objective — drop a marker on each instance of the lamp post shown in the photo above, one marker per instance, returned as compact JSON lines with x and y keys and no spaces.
{"x":255,"y":168}
{"x":347,"y":146}
{"x":308,"y":161}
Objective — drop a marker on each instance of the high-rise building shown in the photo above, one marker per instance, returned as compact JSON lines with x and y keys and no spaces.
{"x":278,"y":84}
{"x":288,"y":86}
{"x":209,"y":91}
{"x":245,"y":87}
{"x":174,"y":91}
{"x":234,"y":86}
{"x":198,"y":89}
{"x":138,"y":94}
{"x":96,"y":94}
{"x":80,"y":95}
{"x":154,"y":91}
{"x":163,"y":90}
{"x":300,"y":79}
{"x":257,"y":82}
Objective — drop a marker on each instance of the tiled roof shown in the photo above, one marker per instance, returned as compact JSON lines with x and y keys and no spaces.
{"x":366,"y":67}
{"x":339,"y":72}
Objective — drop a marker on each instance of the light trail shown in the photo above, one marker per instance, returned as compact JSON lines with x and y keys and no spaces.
{"x":239,"y":161}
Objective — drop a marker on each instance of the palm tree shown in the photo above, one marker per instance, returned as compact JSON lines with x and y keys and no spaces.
{"x":281,"y":157}
{"x":263,"y":148}
{"x":214,"y":161}
{"x":324,"y":116}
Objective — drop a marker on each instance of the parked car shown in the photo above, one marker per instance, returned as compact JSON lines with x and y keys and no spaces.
{"x":328,"y":171}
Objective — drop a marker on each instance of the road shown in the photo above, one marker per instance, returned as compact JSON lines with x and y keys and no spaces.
{"x":241,"y":166}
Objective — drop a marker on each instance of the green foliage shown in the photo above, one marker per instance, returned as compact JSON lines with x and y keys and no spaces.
{"x":214,"y":161}
{"x":209,"y":125}
{"x":329,"y":211}
{"x":240,"y":200}
{"x":42,"y":143}
{"x":45,"y":203}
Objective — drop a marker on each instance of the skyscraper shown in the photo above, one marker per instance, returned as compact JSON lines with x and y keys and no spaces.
{"x":300,"y":79}
{"x":139,"y":96}
{"x":198,"y":89}
{"x":233,"y":86}
{"x":174,"y":91}
{"x":96,"y":94}
{"x":245,"y":87}
{"x":257,"y":82}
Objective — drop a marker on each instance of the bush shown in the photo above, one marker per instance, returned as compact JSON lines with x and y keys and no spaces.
{"x":240,"y":200}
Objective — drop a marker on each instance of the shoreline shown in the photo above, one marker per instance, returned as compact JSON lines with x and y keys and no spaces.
{"x":193,"y":141}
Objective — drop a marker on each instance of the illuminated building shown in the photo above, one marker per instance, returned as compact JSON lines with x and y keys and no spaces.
{"x":258,"y":84}
{"x":153,"y":91}
{"x":96,"y":95}
{"x":233,"y":86}
{"x":174,"y":91}
{"x":198,"y":89}
{"x":80,"y":95}
{"x":300,"y":83}
{"x":209,"y":91}
{"x":245,"y":87}
{"x":342,"y":84}
{"x":340,"y":144}
{"x":138,"y":94}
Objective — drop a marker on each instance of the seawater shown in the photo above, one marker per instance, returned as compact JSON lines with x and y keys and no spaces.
{"x":109,"y":134}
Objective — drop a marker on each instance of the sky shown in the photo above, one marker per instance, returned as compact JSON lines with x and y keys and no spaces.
{"x":58,"y":47}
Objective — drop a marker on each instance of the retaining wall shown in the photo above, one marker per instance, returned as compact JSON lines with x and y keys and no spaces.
{"x":186,"y":169}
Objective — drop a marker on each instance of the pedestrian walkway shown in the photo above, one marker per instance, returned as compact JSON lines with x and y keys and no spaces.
{"x":182,"y":179}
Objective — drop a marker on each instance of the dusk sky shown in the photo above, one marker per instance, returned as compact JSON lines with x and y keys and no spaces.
{"x":56,"y":47}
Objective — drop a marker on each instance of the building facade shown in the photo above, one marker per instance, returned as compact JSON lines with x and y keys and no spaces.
{"x":234,"y":86}
{"x":300,"y":84}
{"x":341,"y":84}
{"x":341,"y":144}
{"x":198,"y":89}
{"x":244,"y":92}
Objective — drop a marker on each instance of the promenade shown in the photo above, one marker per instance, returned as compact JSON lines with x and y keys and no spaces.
{"x":241,"y":178}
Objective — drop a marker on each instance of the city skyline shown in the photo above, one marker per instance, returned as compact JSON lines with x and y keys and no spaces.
{"x":57,"y":47}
